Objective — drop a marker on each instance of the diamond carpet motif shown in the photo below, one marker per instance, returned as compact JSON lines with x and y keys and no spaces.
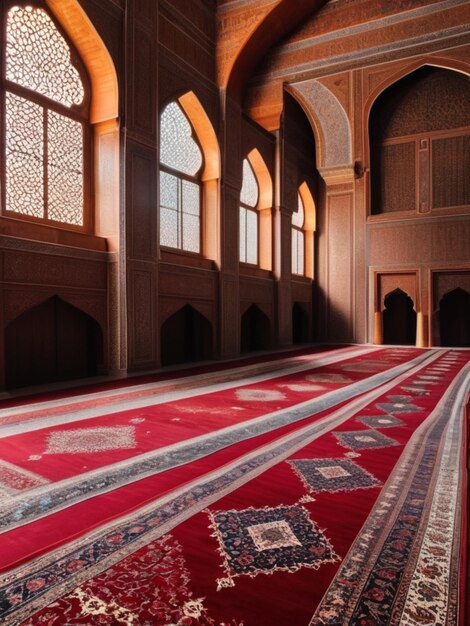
{"x":334,"y":474}
{"x":379,"y":421}
{"x":399,"y":404}
{"x":254,"y":541}
{"x":361,"y":439}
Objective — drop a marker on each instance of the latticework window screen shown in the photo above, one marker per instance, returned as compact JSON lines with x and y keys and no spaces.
{"x":180,"y":189}
{"x":249,"y":216}
{"x":44,"y":122}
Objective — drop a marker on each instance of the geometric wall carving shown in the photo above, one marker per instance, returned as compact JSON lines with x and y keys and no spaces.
{"x":322,"y":105}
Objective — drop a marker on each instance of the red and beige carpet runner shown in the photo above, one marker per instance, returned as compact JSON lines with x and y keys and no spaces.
{"x":318,"y":489}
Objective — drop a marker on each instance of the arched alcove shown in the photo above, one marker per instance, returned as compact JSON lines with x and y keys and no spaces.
{"x":419,"y":148}
{"x":255,"y":330}
{"x":399,"y":319}
{"x":454,"y":318}
{"x":51,"y":342}
{"x":300,"y":324}
{"x":186,"y":337}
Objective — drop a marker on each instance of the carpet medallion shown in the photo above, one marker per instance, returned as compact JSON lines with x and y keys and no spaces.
{"x":332,"y":475}
{"x":362,"y":439}
{"x":255,"y":541}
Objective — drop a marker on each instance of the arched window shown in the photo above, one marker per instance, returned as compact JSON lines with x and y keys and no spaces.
{"x":298,"y":238}
{"x":45,"y":131}
{"x":303,"y":233}
{"x":181,"y":162}
{"x":249,"y":216}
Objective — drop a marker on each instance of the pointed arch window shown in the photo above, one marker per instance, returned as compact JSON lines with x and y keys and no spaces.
{"x":44,"y":127}
{"x":181,"y":161}
{"x":298,"y":238}
{"x":249,"y":216}
{"x":303,"y":226}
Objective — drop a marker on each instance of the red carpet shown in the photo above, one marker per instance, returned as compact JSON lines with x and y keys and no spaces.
{"x":324,"y":489}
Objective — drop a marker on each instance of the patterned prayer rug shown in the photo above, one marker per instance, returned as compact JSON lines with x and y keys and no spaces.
{"x":259,"y":509}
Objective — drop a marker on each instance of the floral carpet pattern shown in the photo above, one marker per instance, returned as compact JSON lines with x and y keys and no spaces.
{"x":324,"y":489}
{"x":151,"y":587}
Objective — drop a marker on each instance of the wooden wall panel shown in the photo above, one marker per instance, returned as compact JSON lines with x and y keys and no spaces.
{"x":142,"y":104}
{"x":141,"y":201}
{"x":301,"y":291}
{"x":50,"y":269}
{"x":232,"y":145}
{"x":257,"y":291}
{"x":230,"y":315}
{"x":142,"y":317}
{"x":187,"y":283}
{"x":396,"y":178}
{"x":450,"y":171}
{"x":186,"y":38}
{"x":145,"y":11}
{"x":420,"y":242}
{"x":230,"y":230}
{"x":340,"y":312}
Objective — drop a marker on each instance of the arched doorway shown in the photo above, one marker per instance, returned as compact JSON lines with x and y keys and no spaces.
{"x":51,"y":342}
{"x":186,"y":336}
{"x":300,"y":332}
{"x":399,"y":319}
{"x":454,"y":318}
{"x":255,"y":330}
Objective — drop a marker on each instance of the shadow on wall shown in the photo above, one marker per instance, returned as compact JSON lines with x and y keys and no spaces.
{"x":454,"y":319}
{"x":399,"y":319}
{"x":186,"y":336}
{"x":255,"y":330}
{"x":300,"y":324}
{"x":52,"y":342}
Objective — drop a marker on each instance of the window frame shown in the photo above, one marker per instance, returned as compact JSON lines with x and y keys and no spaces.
{"x":179,"y":175}
{"x":299,"y":233}
{"x":243,"y":206}
{"x":77,"y":113}
{"x":246,"y":208}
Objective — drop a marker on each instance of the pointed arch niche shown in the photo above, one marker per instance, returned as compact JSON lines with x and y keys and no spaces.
{"x":50,"y":342}
{"x":395,"y":321}
{"x":103,"y":114}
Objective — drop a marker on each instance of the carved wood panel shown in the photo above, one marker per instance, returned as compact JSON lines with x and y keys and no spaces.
{"x":142,"y":202}
{"x":340,"y":262}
